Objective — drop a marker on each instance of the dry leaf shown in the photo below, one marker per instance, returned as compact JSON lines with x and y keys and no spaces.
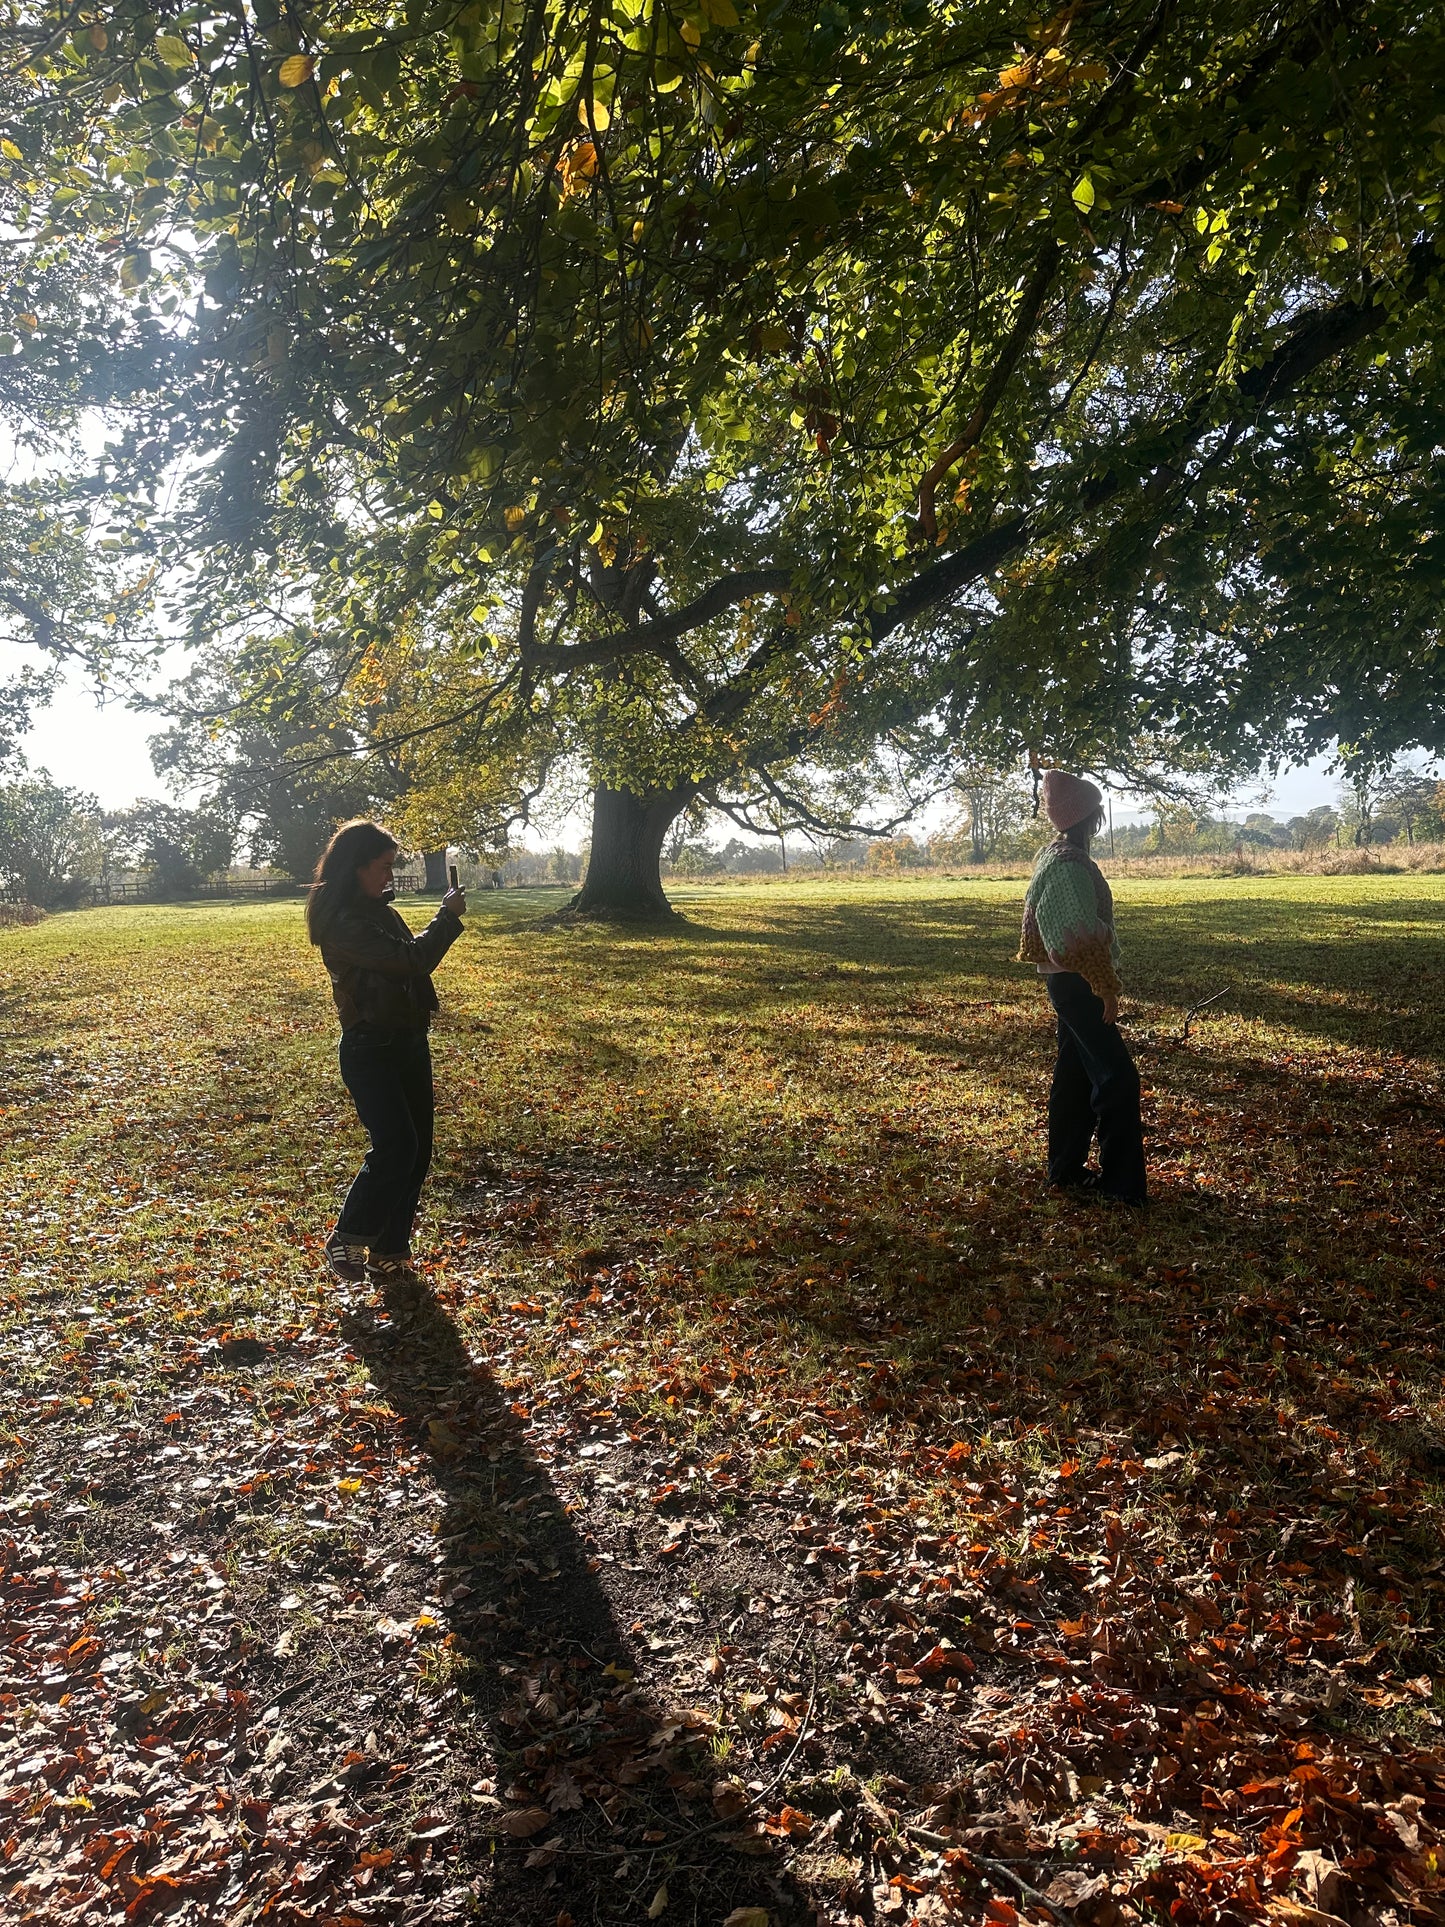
{"x":530,"y":1820}
{"x":729,"y":1797}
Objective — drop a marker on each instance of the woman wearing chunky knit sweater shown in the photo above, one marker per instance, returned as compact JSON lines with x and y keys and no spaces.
{"x":1069,"y":935}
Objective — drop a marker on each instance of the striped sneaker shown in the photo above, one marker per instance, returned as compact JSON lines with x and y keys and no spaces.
{"x":347,"y":1260}
{"x":394,"y":1268}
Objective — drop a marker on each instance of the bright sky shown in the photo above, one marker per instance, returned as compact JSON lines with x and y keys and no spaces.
{"x":101,"y":750}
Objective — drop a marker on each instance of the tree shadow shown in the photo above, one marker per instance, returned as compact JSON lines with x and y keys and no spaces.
{"x":995,"y":1293}
{"x":1294,"y":965}
{"x":600,"y":1793}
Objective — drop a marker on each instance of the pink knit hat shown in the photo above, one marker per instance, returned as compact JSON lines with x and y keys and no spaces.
{"x":1068,"y":799}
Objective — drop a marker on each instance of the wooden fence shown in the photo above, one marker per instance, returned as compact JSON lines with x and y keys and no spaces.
{"x":107,"y":890}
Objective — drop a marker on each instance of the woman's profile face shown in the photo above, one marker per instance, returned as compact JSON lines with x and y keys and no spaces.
{"x":375,"y":877}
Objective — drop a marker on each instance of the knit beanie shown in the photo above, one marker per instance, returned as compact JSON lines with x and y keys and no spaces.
{"x":1068,"y":799}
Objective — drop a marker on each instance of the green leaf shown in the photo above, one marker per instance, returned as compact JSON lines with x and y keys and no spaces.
{"x":1083,"y":194}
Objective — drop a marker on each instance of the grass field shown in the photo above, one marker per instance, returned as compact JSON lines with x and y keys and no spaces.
{"x":781,"y":1501}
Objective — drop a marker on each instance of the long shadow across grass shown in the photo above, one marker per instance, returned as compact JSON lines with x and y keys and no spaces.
{"x":601,"y":1792}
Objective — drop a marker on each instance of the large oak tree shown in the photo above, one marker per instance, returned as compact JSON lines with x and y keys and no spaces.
{"x":709,"y":389}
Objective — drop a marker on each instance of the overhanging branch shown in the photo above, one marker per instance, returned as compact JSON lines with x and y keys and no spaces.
{"x":654,"y":637}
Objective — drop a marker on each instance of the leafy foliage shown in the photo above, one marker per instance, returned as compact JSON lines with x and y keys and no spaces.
{"x":755,"y":381}
{"x":18,"y":697}
{"x":51,"y":847}
{"x":70,"y":584}
{"x":177,"y":848}
{"x":277,"y":765}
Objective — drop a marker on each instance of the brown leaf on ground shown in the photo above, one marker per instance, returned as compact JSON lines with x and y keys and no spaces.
{"x":528,"y":1821}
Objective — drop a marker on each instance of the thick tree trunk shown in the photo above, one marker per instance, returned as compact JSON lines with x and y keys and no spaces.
{"x":436,"y":869}
{"x":624,"y":869}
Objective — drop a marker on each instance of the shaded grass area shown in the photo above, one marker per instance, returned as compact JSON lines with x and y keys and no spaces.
{"x":780,"y":1499}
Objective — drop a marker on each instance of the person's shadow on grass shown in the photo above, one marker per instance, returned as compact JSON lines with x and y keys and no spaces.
{"x":594,"y":1796}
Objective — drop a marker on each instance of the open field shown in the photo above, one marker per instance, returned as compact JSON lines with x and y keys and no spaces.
{"x":783,"y":1501}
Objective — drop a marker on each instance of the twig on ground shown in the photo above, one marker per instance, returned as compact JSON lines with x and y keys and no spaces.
{"x":1203,"y":1004}
{"x":781,"y":1774}
{"x":998,"y":1869}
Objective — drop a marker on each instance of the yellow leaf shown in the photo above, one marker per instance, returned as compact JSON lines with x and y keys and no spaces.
{"x":1083,"y":194}
{"x":691,"y":34}
{"x":659,"y":1903}
{"x":297,"y":70}
{"x":10,"y":151}
{"x":515,"y":518}
{"x":349,"y":1486}
{"x":1184,"y":1843}
{"x":595,"y":113}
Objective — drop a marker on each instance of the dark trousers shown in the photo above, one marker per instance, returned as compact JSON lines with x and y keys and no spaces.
{"x":1095,"y":1087}
{"x":388,"y":1073}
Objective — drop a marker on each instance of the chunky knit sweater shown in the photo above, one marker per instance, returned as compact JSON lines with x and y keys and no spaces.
{"x":1069,"y":918}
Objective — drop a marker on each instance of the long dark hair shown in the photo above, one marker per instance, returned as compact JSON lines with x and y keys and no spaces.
{"x":334,"y":885}
{"x":1080,"y":834}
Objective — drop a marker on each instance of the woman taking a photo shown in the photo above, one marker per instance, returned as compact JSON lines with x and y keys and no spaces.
{"x":381,"y":980}
{"x":1069,"y":935}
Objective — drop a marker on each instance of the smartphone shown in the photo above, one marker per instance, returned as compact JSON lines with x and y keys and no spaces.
{"x":452,"y":874}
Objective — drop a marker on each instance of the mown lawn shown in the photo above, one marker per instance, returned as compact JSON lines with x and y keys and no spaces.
{"x":782,"y":1501}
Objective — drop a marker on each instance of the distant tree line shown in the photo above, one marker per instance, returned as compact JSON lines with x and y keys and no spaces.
{"x":58,"y":848}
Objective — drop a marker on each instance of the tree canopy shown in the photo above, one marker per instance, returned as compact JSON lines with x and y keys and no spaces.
{"x":702,"y":389}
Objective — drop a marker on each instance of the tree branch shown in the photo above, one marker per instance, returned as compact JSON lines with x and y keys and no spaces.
{"x":1035,"y":293}
{"x":652,"y":637}
{"x":1315,"y":338}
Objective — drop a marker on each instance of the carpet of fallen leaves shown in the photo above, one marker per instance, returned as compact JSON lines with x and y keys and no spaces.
{"x":778,"y":1505}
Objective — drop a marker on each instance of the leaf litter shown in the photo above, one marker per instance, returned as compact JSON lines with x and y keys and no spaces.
{"x":777,"y":1506}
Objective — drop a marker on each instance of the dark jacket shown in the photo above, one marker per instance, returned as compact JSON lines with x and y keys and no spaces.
{"x":380,"y":972}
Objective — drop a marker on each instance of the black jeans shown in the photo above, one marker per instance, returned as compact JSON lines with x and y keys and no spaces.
{"x":388,"y":1073}
{"x":1095,"y":1086}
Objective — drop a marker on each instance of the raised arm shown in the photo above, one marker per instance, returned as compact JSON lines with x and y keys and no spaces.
{"x":358,"y":941}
